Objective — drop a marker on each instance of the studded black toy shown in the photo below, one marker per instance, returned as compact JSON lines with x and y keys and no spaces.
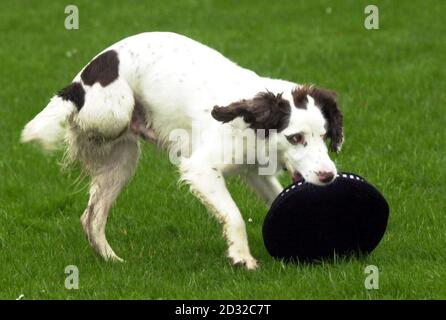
{"x":312,"y":223}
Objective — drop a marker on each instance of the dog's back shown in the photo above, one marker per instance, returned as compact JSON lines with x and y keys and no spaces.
{"x":174,"y":79}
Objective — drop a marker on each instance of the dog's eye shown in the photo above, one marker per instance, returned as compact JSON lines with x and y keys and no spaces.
{"x":297,"y":138}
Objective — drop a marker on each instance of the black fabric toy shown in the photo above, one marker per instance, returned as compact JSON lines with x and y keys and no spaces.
{"x":312,"y":223}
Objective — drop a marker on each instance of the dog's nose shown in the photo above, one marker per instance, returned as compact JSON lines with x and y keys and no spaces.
{"x":325,"y":176}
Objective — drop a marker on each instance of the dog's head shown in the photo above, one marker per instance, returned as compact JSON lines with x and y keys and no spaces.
{"x":303,"y":120}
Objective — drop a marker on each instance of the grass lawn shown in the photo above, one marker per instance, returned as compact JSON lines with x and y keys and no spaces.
{"x":392,"y":90}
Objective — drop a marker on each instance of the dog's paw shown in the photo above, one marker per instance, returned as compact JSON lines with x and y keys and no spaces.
{"x":249,"y":263}
{"x":246,"y":261}
{"x":114,"y":258}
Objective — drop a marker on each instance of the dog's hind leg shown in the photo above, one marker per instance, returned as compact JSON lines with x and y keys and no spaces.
{"x":108,"y":176}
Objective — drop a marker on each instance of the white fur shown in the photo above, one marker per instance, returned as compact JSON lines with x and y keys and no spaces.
{"x":107,"y":109}
{"x":178,"y":81}
{"x":48,"y":127}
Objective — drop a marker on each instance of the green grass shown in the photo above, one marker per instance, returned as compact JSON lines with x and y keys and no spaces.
{"x":392,"y":88}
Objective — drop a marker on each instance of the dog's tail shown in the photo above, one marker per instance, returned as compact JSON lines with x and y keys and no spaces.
{"x":48,"y":127}
{"x":106,"y":111}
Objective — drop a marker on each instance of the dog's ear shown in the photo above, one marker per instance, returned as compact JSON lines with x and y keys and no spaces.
{"x":265,"y":111}
{"x":236,"y":109}
{"x":326,"y":100}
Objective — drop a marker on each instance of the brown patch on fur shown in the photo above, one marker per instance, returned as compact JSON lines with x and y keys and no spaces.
{"x":300,"y":97}
{"x":326,"y":100}
{"x":74,"y":93}
{"x":103,"y":69}
{"x":265,"y":111}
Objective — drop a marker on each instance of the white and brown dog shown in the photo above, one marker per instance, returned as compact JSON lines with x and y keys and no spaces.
{"x":147,"y":86}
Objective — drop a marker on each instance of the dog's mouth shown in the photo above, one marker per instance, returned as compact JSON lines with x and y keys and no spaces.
{"x":297,"y":177}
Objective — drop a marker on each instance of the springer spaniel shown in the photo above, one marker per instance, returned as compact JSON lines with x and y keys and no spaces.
{"x":155,"y":84}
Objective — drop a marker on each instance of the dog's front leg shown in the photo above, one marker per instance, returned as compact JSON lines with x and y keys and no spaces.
{"x":207,"y":184}
{"x":266,"y":187}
